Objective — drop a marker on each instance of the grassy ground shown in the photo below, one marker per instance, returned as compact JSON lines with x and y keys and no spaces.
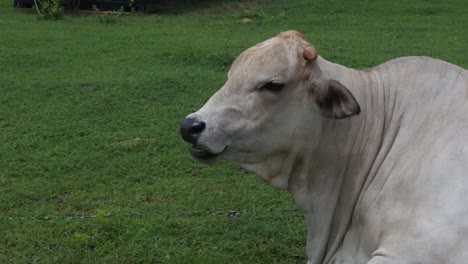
{"x":89,"y":116}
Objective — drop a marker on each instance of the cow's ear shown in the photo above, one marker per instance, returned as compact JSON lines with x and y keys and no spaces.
{"x":335,"y":100}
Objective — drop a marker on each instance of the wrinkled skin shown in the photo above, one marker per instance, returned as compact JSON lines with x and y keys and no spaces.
{"x":377,"y":159}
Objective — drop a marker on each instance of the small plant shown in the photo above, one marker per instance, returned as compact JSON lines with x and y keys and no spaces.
{"x":102,"y":216}
{"x":101,"y":228}
{"x":49,"y":9}
{"x":82,"y":238}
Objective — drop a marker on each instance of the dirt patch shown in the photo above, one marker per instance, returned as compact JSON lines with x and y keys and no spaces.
{"x":246,"y":21}
{"x":215,"y":9}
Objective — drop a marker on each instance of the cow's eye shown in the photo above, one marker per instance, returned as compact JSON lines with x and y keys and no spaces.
{"x":272,"y":87}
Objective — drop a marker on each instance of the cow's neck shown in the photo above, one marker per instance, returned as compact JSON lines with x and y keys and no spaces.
{"x":328,"y":181}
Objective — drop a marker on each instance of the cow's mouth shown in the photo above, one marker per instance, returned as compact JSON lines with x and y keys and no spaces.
{"x":204,"y":155}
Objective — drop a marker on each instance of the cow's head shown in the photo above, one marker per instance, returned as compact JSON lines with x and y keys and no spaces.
{"x":270,"y":109}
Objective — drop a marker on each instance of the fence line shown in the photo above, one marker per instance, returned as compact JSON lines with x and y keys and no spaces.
{"x":231,"y":213}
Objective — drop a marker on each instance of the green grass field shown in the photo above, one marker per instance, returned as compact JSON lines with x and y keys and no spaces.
{"x":89,"y":125}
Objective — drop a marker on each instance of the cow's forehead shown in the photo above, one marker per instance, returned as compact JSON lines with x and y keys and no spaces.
{"x":264,"y":58}
{"x":261,"y":53}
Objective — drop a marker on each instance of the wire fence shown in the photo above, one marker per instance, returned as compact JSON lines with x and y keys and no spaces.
{"x":230,"y":213}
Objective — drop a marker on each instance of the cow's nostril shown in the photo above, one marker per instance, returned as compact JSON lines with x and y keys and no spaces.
{"x":197,"y":127}
{"x":190,"y":129}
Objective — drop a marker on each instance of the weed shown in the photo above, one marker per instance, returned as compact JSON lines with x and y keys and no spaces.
{"x":82,"y":239}
{"x":49,"y":9}
{"x":102,"y":216}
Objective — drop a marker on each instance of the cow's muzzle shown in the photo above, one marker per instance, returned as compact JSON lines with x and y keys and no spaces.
{"x":190,"y":129}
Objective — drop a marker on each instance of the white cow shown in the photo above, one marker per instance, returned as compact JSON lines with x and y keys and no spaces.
{"x":377,"y":159}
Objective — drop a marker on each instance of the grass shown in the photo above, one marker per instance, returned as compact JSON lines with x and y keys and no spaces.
{"x":89,"y":116}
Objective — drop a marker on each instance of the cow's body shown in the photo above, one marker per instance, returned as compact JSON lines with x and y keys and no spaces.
{"x":386,"y":185}
{"x":403,"y":190}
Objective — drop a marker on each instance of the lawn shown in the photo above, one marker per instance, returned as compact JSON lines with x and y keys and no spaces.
{"x":89,"y":116}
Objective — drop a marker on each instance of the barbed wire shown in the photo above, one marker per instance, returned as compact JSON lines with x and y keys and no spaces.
{"x":230,"y":213}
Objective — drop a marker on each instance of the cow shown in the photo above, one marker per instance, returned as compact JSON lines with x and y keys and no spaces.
{"x":377,"y":159}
